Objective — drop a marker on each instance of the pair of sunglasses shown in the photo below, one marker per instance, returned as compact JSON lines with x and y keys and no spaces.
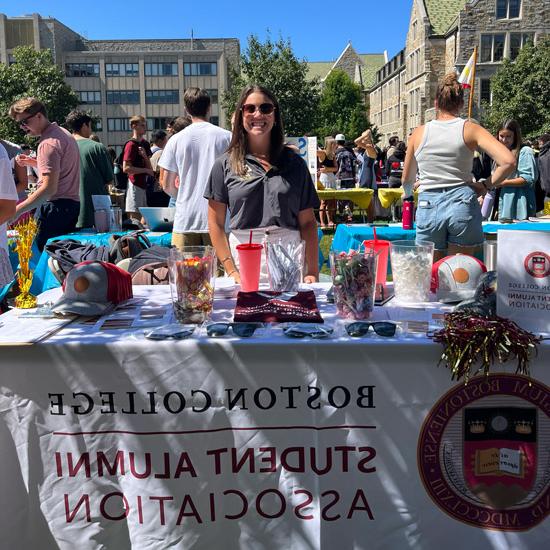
{"x":243,"y":330}
{"x":317,"y":332}
{"x":264,"y":108}
{"x":169,"y":332}
{"x":382,"y":328}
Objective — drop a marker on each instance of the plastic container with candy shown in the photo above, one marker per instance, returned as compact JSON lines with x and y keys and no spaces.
{"x":354,"y":281}
{"x":191,"y":271}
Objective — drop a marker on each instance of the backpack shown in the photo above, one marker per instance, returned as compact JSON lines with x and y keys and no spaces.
{"x":121,"y":179}
{"x":153,"y":255}
{"x":346,"y":165}
{"x":151,"y":274}
{"x":127,"y":246}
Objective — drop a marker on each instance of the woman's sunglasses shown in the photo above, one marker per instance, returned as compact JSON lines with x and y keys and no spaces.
{"x":360,"y":328}
{"x":264,"y":108}
{"x":243,"y":330}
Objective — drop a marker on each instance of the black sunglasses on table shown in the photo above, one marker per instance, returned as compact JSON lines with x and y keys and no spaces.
{"x":301,"y":330}
{"x":264,"y":108}
{"x":243,"y":330}
{"x":382,"y":328}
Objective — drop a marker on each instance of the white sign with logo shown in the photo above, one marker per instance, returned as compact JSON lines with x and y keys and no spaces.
{"x":523,"y":267}
{"x":307,"y":147}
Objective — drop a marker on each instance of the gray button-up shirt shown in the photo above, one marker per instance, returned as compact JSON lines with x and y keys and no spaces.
{"x":260,"y":198}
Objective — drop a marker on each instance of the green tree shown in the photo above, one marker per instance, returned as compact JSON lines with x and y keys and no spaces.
{"x":520,"y":90}
{"x":274,"y":66}
{"x":33,"y":75}
{"x":342,"y":108}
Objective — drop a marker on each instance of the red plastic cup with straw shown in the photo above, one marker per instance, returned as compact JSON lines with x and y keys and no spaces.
{"x":383,"y":248}
{"x":250,"y":255}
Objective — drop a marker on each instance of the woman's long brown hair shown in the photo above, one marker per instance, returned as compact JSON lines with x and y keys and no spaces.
{"x":238,"y":147}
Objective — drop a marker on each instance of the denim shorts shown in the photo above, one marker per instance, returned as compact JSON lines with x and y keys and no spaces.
{"x":449,"y":216}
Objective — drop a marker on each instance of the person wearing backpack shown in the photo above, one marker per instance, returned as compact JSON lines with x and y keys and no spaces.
{"x":394,"y":164}
{"x":345,"y":162}
{"x":345,"y":175}
{"x":136,"y":164}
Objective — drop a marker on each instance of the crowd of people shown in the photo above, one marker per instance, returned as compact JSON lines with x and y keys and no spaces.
{"x":222,"y":184}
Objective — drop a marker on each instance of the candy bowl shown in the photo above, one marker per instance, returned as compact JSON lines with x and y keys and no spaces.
{"x":354,"y":283}
{"x":191,"y":271}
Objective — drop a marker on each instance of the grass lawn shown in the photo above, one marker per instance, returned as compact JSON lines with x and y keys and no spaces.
{"x":325,"y":243}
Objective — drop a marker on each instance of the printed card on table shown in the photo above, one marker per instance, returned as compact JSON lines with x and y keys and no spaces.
{"x":523,"y":267}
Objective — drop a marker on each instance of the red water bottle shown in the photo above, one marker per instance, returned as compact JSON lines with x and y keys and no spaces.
{"x":408,"y":212}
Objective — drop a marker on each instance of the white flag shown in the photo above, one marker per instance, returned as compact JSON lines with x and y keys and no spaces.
{"x":467,"y":73}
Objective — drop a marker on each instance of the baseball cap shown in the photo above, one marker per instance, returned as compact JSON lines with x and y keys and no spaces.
{"x":94,"y":288}
{"x":340,"y":137}
{"x":455,"y":278}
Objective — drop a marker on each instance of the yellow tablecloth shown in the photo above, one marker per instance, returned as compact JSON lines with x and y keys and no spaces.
{"x":360,"y":197}
{"x":389,"y":196}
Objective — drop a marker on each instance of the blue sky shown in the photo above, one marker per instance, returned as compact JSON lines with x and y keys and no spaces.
{"x":318,"y":30}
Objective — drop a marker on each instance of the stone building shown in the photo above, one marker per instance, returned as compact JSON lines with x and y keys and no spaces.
{"x":361,"y":68}
{"x":499,"y":30}
{"x":116,"y":79}
{"x":440,"y":39}
{"x":386,"y":101}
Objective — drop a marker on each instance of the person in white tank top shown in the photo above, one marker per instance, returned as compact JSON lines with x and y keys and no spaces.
{"x":441,"y":152}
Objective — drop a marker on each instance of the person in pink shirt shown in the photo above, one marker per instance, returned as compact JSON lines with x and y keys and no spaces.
{"x":58,"y":163}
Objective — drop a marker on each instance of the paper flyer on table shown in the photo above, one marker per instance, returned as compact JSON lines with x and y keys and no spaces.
{"x":523,"y":267}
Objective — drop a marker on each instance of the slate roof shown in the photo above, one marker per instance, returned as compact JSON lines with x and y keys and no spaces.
{"x":443,"y":13}
{"x":318,"y":68}
{"x":371,"y":63}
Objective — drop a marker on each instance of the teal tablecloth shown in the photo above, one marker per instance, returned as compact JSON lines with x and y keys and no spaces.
{"x":348,"y":237}
{"x":351,"y":236}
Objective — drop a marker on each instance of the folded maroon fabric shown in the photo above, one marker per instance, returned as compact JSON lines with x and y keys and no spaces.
{"x":277,"y":307}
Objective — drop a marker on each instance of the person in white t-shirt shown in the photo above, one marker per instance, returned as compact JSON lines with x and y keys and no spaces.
{"x":8,"y":200}
{"x":190,"y":155}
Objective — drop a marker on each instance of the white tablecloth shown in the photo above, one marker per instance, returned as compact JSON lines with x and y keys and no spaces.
{"x":112,"y":441}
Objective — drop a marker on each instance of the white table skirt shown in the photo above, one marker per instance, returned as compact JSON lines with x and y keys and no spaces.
{"x":225,"y":425}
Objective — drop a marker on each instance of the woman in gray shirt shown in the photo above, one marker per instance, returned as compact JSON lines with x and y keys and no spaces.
{"x":264,"y":185}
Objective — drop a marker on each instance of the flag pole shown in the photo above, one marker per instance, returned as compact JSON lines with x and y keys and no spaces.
{"x":472,"y":88}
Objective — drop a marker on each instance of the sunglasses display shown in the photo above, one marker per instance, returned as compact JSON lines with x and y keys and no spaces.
{"x":243,"y":330}
{"x":304,"y":330}
{"x":382,"y":328}
{"x":264,"y":108}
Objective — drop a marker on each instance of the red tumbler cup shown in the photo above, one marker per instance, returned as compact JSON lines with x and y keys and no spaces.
{"x":250,"y":255}
{"x":383,"y":248}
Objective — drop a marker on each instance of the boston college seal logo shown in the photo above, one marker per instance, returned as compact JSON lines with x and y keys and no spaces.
{"x":537,"y":264}
{"x":484,"y":452}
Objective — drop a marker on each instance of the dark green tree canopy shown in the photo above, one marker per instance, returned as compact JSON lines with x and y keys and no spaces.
{"x":33,"y":75}
{"x":521,"y":90}
{"x":274,"y":66}
{"x":342,"y":108}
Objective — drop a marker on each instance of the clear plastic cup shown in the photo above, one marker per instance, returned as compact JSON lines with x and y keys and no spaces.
{"x":102,"y":220}
{"x":411,"y":266}
{"x":250,"y":256}
{"x":116,"y":219}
